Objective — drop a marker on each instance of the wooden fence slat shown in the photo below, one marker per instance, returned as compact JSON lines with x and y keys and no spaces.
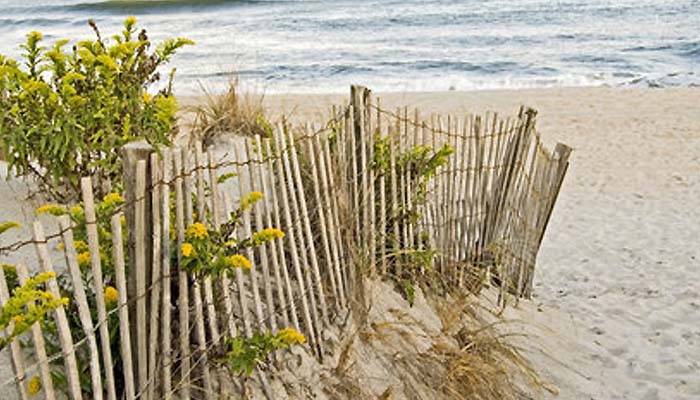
{"x":334,"y":211}
{"x":229,"y":323}
{"x":166,"y":304}
{"x":82,"y":304}
{"x":122,"y":304}
{"x":371,"y":190}
{"x":328,"y":206}
{"x":313,"y":255}
{"x":183,"y":284}
{"x":98,"y":285}
{"x":201,"y":359}
{"x":291,"y":234}
{"x":321,"y":215}
{"x":292,"y":191}
{"x":244,"y":172}
{"x":141,"y":284}
{"x":201,"y":213}
{"x":155,"y":287}
{"x":290,"y":303}
{"x":64,"y":334}
{"x":265,"y":203}
{"x":242,"y":298}
{"x":255,"y":180}
{"x":18,"y":360}
{"x":39,"y":344}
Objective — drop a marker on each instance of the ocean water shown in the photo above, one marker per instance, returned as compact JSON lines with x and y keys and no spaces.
{"x":407,"y":45}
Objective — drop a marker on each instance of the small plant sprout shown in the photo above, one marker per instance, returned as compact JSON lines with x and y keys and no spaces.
{"x":246,"y":353}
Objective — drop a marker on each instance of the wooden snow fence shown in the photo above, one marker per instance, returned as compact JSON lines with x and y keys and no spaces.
{"x":351,"y":200}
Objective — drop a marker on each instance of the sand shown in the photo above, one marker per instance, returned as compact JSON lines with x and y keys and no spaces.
{"x":616,"y":311}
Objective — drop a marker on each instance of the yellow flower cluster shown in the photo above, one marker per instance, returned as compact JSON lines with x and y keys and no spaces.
{"x":290,"y":336}
{"x":112,"y":199}
{"x":248,"y":201}
{"x":52,"y":209}
{"x":84,"y":259}
{"x":239,"y":261}
{"x":197,"y":231}
{"x":27,"y":305}
{"x":80,"y":246}
{"x":267,"y":235}
{"x":111,"y":296}
{"x":77,"y":212}
{"x":187,"y":249}
{"x":34,"y":386}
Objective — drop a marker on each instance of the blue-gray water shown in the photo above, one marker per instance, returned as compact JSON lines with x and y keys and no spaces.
{"x":325,"y":45}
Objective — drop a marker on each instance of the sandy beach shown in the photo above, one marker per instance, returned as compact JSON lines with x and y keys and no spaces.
{"x":616,"y":312}
{"x":616,"y":309}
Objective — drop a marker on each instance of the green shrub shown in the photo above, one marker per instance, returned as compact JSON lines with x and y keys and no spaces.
{"x":63,"y":114}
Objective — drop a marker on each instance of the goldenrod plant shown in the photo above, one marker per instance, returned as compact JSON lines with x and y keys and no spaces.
{"x":419,"y":163}
{"x":246,"y":353}
{"x":64,"y":112}
{"x":209,"y":252}
{"x":28,"y":304}
{"x":104,"y":209}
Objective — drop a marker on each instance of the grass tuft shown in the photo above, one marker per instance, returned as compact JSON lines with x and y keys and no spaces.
{"x":231,"y":113}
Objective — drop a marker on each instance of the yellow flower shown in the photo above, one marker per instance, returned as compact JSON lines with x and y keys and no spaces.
{"x":52,"y":209}
{"x":35,"y":36}
{"x":111,"y":296}
{"x":146,"y":98}
{"x":122,"y":220}
{"x":75,"y":210}
{"x":187,"y":249}
{"x":267,"y":235}
{"x":290,"y":336}
{"x":112,"y":199}
{"x":18,"y":319}
{"x":130,"y":21}
{"x":84,"y":259}
{"x":249,"y":200}
{"x":80,"y":246}
{"x":34,"y":386}
{"x":60,"y":247}
{"x":238,"y":261}
{"x":197,"y":231}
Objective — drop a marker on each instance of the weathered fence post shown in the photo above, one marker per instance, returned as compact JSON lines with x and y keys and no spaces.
{"x":131,"y":154}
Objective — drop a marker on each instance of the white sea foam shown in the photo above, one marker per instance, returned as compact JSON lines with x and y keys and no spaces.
{"x":411,"y":45}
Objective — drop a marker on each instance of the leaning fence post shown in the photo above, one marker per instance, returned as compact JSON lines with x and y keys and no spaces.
{"x":98,"y":284}
{"x":82,"y":303}
{"x":120,"y":281}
